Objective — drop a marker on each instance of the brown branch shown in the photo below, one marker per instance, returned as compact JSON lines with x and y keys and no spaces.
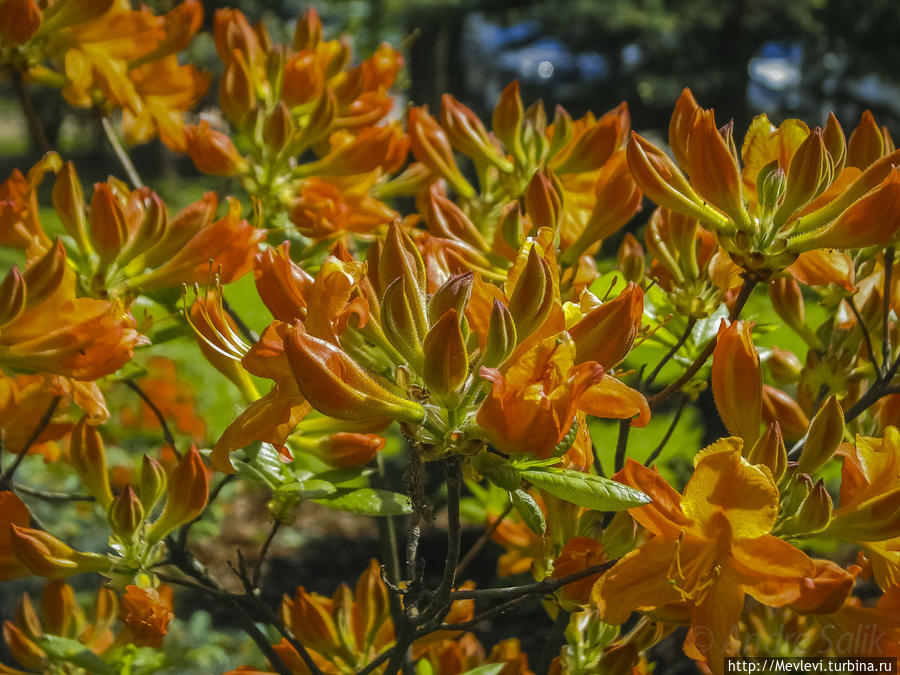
{"x":539,"y":587}
{"x":34,"y":123}
{"x":166,"y":432}
{"x":7,"y":477}
{"x":669,"y":354}
{"x":261,"y":558}
{"x":665,"y":439}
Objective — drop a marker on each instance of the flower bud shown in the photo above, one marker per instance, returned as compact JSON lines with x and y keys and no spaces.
{"x":871,"y":220}
{"x":43,"y":276}
{"x":431,"y":146}
{"x":308,"y":32}
{"x":452,"y":294}
{"x":770,"y":451}
{"x":808,"y":175}
{"x":212,"y":151}
{"x":501,"y":336}
{"x":664,"y":183}
{"x":826,"y":431}
{"x":12,"y":296}
{"x":46,"y":556}
{"x":22,"y":648}
{"x":400,"y":258}
{"x":27,"y":618}
{"x":59,"y":608}
{"x":446,"y":219}
{"x":630,"y":259}
{"x":543,"y":201}
{"x":770,"y":184}
{"x":109,"y":231}
{"x":152,"y":482}
{"x":468,"y":135}
{"x":607,"y":333}
{"x":778,"y":406}
{"x":787,"y":301}
{"x":835,"y":143}
{"x":279,"y":128}
{"x":680,"y":125}
{"x":337,"y":386}
{"x":399,"y":324}
{"x":186,"y":497}
{"x":737,"y":381}
{"x":125,"y":514}
{"x":346,"y":449}
{"x":88,"y":457}
{"x":446,"y":364}
{"x":509,"y":227}
{"x":532,"y":297}
{"x":713,"y":169}
{"x":19,"y":19}
{"x":876,"y":519}
{"x":784,"y":366}
{"x":813,"y":515}
{"x":508,"y":119}
{"x":68,"y":200}
{"x":866,"y":143}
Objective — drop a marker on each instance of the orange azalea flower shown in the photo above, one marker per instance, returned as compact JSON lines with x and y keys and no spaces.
{"x":12,"y":512}
{"x":23,"y":400}
{"x":710,"y":546}
{"x":53,"y":331}
{"x":801,"y":192}
{"x":869,"y":499}
{"x":532,"y":405}
{"x":737,"y":381}
{"x":146,"y":613}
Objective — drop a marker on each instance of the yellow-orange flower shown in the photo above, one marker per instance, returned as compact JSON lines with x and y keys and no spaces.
{"x":710,"y":546}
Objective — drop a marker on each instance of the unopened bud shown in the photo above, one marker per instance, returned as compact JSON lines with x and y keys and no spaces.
{"x":630,"y":259}
{"x":826,"y":430}
{"x":88,"y":457}
{"x":501,"y":337}
{"x":446,"y":364}
{"x":770,"y":451}
{"x":125,"y":514}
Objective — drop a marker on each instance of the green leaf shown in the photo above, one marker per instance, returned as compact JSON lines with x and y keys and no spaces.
{"x":529,"y":510}
{"x":486,"y":669}
{"x":306,"y":489}
{"x":592,"y":492}
{"x":368,"y":502}
{"x":72,"y":651}
{"x":498,"y":471}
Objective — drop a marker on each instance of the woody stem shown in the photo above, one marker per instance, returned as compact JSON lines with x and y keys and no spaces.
{"x":34,"y":123}
{"x":6,"y":478}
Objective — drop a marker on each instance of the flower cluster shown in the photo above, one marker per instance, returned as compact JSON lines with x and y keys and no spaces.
{"x":428,"y":296}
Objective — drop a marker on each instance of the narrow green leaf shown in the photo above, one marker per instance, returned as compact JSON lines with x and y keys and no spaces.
{"x":487,"y":669}
{"x":586,"y":490}
{"x":368,"y":502}
{"x":72,"y":651}
{"x":529,"y":510}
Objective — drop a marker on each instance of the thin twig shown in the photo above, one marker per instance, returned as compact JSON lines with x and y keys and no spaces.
{"x":166,"y":432}
{"x":251,"y":596}
{"x":743,"y":295}
{"x":483,"y":540}
{"x":486,"y":614}
{"x":539,"y":587}
{"x":119,"y":151}
{"x":51,"y":495}
{"x":6,"y":478}
{"x":886,"y":307}
{"x":34,"y":123}
{"x":665,"y":439}
{"x":261,"y":558}
{"x":867,"y":337}
{"x":669,"y":354}
{"x":439,"y":603}
{"x":622,"y":444}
